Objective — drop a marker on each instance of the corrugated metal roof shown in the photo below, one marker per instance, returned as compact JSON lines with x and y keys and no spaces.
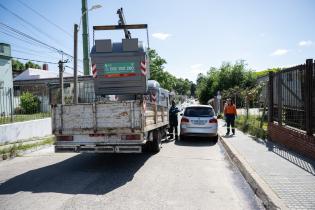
{"x":33,"y":74}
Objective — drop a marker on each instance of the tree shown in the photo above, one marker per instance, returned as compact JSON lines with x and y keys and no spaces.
{"x":17,"y":65}
{"x":229,"y":75}
{"x":30,"y":64}
{"x":167,"y":80}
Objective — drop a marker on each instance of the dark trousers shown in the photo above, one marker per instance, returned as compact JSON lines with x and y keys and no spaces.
{"x":171,"y":130}
{"x":230,"y":122}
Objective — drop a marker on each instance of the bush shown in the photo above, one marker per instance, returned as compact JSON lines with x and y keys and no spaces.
{"x":251,"y":126}
{"x":18,"y":110}
{"x":30,"y":103}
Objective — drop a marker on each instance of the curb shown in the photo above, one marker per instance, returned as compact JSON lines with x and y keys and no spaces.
{"x":8,"y":156}
{"x":259,"y":186}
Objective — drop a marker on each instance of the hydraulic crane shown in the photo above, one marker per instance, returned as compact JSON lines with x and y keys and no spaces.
{"x":122,"y":22}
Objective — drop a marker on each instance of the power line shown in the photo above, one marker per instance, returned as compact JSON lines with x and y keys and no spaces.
{"x":20,"y":38}
{"x":30,"y":53}
{"x":25,"y":21}
{"x":72,"y":69}
{"x":39,"y":61}
{"x":27,"y":59}
{"x":27,"y":49}
{"x":36,"y":40}
{"x":42,"y":16}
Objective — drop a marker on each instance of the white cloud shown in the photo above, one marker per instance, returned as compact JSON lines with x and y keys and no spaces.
{"x":305,"y":43}
{"x":161,"y":36}
{"x":279,"y":52}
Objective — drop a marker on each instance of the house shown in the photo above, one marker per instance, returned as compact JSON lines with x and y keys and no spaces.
{"x":6,"y":83}
{"x":45,"y":85}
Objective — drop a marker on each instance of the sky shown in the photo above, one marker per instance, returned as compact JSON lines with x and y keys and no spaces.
{"x":191,"y":36}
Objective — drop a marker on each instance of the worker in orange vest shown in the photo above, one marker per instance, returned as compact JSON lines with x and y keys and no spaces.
{"x":230,"y":114}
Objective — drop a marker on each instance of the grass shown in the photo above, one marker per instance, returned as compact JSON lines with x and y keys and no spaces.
{"x":15,"y":149}
{"x":24,"y":117}
{"x":251,"y":125}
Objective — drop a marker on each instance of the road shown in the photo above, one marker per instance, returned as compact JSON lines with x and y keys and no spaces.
{"x":195,"y":174}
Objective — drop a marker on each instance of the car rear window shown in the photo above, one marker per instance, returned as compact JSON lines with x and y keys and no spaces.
{"x":199,"y":112}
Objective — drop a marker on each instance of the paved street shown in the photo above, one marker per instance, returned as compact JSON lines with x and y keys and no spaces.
{"x":189,"y":175}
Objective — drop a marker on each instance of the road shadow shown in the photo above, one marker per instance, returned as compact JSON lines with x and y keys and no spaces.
{"x":82,"y":174}
{"x":196,"y":142}
{"x":301,"y":161}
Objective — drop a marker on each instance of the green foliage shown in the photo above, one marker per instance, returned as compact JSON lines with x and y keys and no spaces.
{"x":227,"y":76}
{"x":30,"y":103}
{"x":167,"y":80}
{"x":266,"y":72}
{"x":17,"y":65}
{"x":29,"y":64}
{"x":251,"y":125}
{"x":16,"y":148}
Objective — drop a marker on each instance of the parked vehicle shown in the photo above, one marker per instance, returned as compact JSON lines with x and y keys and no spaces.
{"x":199,"y":120}
{"x":136,"y":118}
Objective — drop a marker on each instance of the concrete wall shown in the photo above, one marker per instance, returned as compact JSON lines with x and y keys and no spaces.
{"x":25,"y":130}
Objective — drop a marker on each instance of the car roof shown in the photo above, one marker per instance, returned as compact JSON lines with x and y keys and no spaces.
{"x":191,"y":106}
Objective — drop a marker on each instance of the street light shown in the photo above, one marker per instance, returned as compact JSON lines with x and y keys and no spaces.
{"x":94,"y":7}
{"x":75,"y":53}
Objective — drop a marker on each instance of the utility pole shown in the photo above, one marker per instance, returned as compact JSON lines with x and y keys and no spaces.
{"x":85,"y":38}
{"x":75,"y":65}
{"x":61,"y":69}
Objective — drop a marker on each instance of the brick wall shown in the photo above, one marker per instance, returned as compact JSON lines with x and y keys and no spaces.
{"x":292,"y":139}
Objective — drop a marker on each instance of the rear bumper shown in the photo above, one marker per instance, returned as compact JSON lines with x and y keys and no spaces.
{"x":59,"y":148}
{"x":204,"y":132}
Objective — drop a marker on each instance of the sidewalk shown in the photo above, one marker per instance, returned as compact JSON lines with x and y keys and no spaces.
{"x":285,"y":177}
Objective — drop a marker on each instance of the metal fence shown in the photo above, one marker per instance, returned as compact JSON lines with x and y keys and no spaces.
{"x":17,"y":105}
{"x":291,"y":97}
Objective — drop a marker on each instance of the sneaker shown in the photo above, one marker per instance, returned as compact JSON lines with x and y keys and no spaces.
{"x":227,"y":134}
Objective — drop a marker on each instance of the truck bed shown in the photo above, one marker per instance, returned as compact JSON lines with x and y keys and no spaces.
{"x":108,"y":117}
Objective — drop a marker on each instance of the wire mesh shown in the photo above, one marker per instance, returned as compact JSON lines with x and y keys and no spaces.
{"x":17,"y":105}
{"x":289,"y":97}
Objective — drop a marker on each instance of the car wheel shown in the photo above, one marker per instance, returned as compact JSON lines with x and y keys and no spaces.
{"x":215,"y":138}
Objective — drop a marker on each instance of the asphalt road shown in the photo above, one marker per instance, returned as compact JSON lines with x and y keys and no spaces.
{"x":194,"y":174}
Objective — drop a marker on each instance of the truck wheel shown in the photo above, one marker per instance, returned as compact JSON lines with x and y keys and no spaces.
{"x":156,"y":144}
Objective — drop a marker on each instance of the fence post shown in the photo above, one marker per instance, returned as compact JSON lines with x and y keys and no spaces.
{"x":11,"y":105}
{"x":308,"y":76}
{"x":270,"y":98}
{"x":279,"y":88}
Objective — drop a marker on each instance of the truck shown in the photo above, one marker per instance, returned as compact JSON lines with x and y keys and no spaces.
{"x":135,"y":120}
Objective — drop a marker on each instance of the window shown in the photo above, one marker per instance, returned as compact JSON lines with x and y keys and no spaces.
{"x":1,"y":84}
{"x":199,"y":112}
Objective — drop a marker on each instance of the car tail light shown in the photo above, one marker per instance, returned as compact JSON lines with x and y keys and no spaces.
{"x":184,"y":120}
{"x":213,"y":120}
{"x":64,"y":138}
{"x":131,"y":137}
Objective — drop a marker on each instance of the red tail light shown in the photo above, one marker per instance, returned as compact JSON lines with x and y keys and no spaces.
{"x":213,"y":120}
{"x":184,"y":120}
{"x":131,"y":137}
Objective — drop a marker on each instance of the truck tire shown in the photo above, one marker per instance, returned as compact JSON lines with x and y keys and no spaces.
{"x":157,"y":143}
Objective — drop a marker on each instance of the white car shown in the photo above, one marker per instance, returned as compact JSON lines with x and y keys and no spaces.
{"x":199,"y":120}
